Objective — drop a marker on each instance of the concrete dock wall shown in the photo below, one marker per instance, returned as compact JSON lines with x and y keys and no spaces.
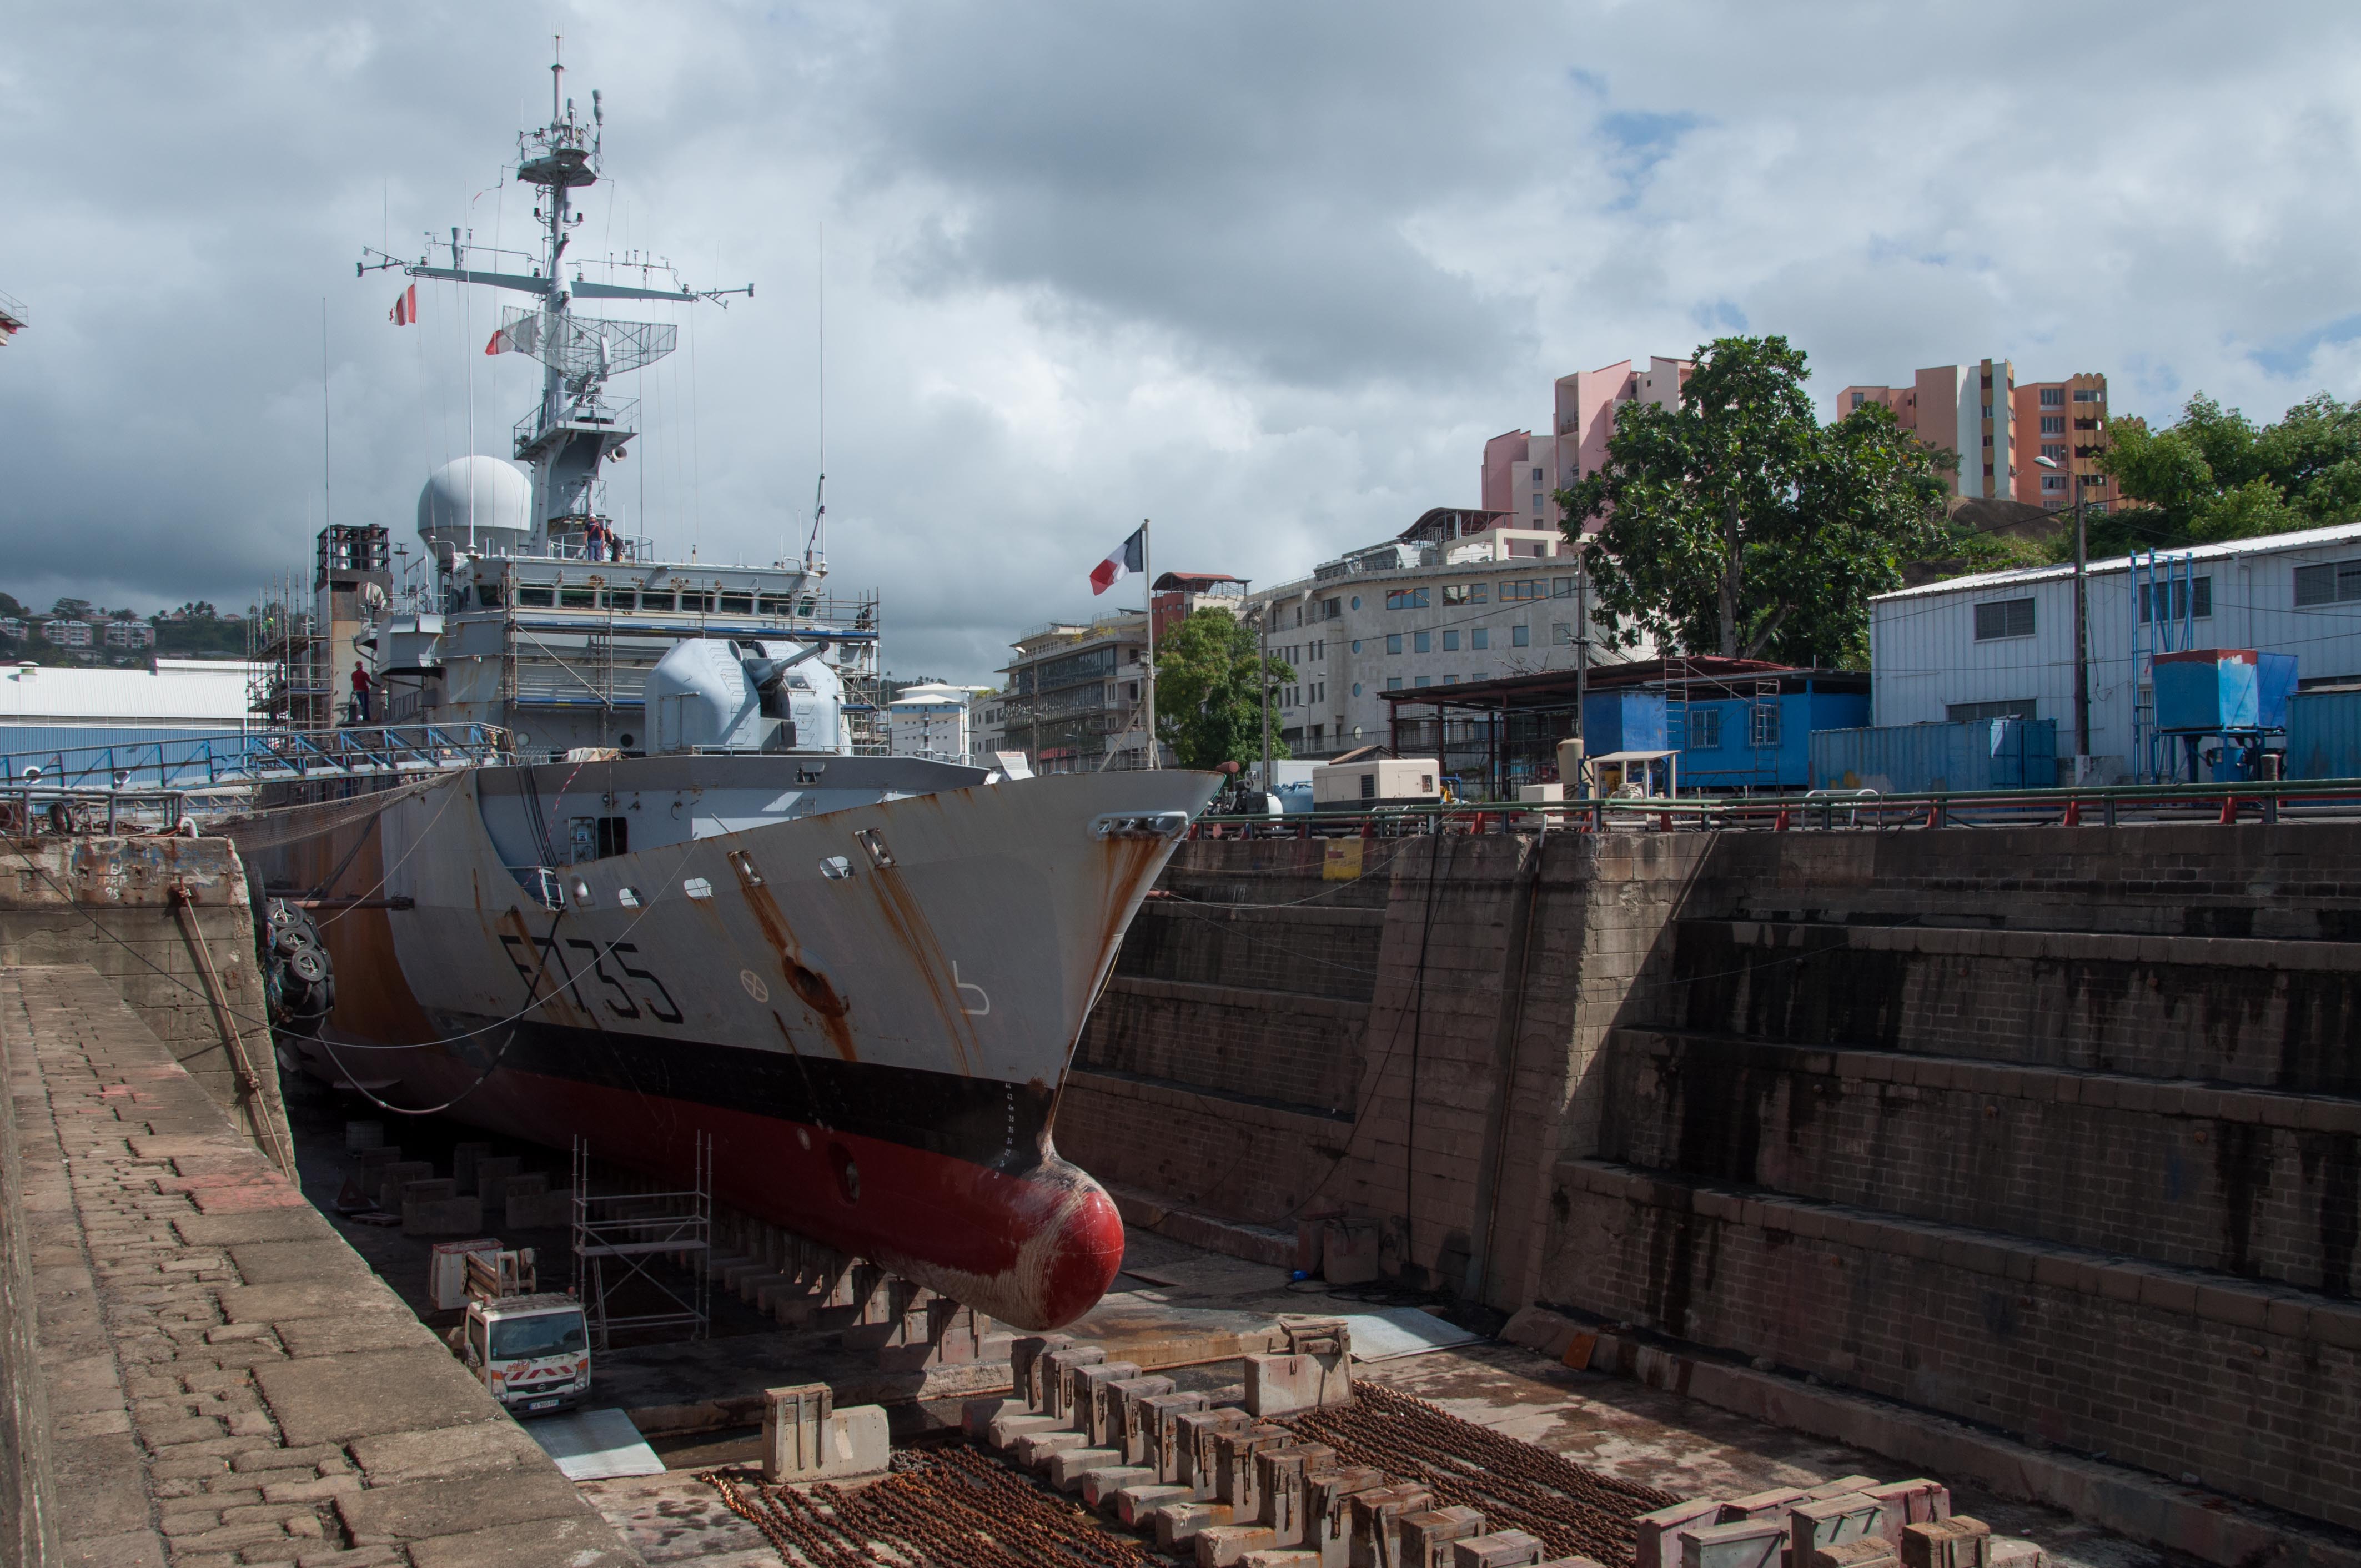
{"x":2055,"y":1131}
{"x":109,"y":904}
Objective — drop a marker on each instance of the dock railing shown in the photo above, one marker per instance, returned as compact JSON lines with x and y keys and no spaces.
{"x":1863,"y":811}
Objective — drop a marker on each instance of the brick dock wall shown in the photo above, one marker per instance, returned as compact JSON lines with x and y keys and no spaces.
{"x":2055,"y":1131}
{"x":108,"y":903}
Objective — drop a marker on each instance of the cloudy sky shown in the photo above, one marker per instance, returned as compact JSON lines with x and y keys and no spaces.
{"x":1268,"y":273}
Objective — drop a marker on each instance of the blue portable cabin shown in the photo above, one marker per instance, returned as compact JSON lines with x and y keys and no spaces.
{"x":2323,"y":732}
{"x":1629,"y":718}
{"x":1759,"y":737}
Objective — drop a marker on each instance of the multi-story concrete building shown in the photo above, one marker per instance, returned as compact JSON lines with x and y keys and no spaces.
{"x":130,"y":634}
{"x":1999,"y":427}
{"x":1521,"y":470}
{"x":67,"y":633}
{"x":1459,"y":596}
{"x":1073,"y":694}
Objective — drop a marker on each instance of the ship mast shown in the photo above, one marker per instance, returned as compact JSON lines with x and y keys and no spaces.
{"x":576,"y":429}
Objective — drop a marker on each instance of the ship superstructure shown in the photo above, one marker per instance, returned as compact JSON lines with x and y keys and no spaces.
{"x":696,"y":913}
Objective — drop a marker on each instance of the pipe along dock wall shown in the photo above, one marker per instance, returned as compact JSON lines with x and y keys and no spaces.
{"x":2053,"y":1131}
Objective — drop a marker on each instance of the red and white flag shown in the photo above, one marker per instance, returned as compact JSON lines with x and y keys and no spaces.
{"x":405,"y":308}
{"x":1129,"y":556}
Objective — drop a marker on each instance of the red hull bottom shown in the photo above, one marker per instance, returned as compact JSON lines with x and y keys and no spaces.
{"x":1036,"y":1249}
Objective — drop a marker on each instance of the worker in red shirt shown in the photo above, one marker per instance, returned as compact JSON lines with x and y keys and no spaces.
{"x":360,"y":695}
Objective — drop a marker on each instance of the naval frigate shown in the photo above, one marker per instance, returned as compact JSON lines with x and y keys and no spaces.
{"x":697,"y":917}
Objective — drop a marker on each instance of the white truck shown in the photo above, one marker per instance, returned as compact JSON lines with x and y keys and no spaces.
{"x":533,"y":1351}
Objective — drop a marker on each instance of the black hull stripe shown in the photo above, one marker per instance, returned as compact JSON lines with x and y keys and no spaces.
{"x":983,"y":1121}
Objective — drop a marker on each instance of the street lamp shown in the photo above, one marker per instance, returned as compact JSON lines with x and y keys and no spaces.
{"x":2081,"y":632}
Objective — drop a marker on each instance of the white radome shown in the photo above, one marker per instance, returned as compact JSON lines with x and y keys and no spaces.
{"x":477,"y":502}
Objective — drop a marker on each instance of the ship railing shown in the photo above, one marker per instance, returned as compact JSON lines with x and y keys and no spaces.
{"x":258,"y":756}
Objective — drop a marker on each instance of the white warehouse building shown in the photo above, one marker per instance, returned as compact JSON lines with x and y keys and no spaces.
{"x":2001,"y":645}
{"x":930,"y":720}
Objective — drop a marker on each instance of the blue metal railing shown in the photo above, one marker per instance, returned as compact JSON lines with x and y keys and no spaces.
{"x":259,"y":756}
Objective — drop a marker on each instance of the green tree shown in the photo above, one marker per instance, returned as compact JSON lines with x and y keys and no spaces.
{"x":2215,"y":474}
{"x":70,"y":610}
{"x":1208,"y":706}
{"x":1736,"y":523}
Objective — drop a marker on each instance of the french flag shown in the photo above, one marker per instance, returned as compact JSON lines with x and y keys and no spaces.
{"x":1131,"y":555}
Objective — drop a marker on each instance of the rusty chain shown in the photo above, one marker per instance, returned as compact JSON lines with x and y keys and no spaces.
{"x":1516,"y":1484}
{"x":956,"y":1506}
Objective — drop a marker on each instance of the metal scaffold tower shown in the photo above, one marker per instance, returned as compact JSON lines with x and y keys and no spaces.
{"x":617,"y":1238}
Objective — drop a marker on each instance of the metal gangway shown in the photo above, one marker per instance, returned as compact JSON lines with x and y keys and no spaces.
{"x":186,"y":764}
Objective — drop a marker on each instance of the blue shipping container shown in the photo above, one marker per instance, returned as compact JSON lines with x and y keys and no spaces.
{"x":2213,"y":690}
{"x":2324,"y":735}
{"x":1925,"y":759}
{"x":1628,"y":720}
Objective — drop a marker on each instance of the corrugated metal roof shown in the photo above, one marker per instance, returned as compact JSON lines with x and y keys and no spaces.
{"x":2270,"y":545}
{"x":176,"y":691}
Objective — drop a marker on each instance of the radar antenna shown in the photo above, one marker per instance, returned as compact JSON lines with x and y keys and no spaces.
{"x":576,"y":428}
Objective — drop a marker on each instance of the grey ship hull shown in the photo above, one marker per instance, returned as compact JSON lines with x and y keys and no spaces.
{"x":868,"y":1007}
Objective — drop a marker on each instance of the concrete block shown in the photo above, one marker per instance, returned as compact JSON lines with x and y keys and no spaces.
{"x":1224,"y":1545}
{"x":1035,"y":1450}
{"x":1235,"y":1480}
{"x":976,"y":1416}
{"x":1197,"y":1431}
{"x":1280,"y":1557}
{"x":539,"y":1211}
{"x":2015,"y":1551}
{"x":1026,"y":1366}
{"x":1426,"y":1537}
{"x":1571,"y":1563}
{"x":1055,"y":1366}
{"x":1069,"y":1465}
{"x":1100,"y":1485}
{"x":1502,"y":1549}
{"x":429,"y":1190}
{"x":1119,"y":1423}
{"x":1816,"y":1522}
{"x":804,"y":1438}
{"x":1375,"y":1538}
{"x":1177,"y":1523}
{"x":1870,"y":1552}
{"x":1656,"y":1545}
{"x":1311,"y":1236}
{"x":1281,"y":1385}
{"x":1916,"y":1501}
{"x":493,"y":1174}
{"x":1349,"y":1252}
{"x":1160,"y":1419}
{"x":1841,"y":1486}
{"x":445,"y":1216}
{"x":1005,"y":1429}
{"x":1538,"y":1329}
{"x":1282,"y":1481}
{"x":464,"y":1160}
{"x":1329,"y":1511}
{"x":1083,"y":1391}
{"x":1133,"y":1505}
{"x":1749,"y":1543}
{"x":394,"y":1175}
{"x":1955,"y":1542}
{"x":1772,"y":1504}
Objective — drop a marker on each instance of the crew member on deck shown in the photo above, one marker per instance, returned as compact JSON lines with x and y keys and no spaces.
{"x":360,"y":695}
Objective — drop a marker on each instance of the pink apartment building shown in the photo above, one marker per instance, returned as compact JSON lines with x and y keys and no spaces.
{"x":1521,"y":470}
{"x":1999,"y":426}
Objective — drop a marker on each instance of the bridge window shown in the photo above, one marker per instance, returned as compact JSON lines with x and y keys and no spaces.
{"x":536,"y":598}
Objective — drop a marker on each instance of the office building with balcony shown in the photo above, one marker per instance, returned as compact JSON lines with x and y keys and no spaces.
{"x":1073,"y":697}
{"x":1462,"y":595}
